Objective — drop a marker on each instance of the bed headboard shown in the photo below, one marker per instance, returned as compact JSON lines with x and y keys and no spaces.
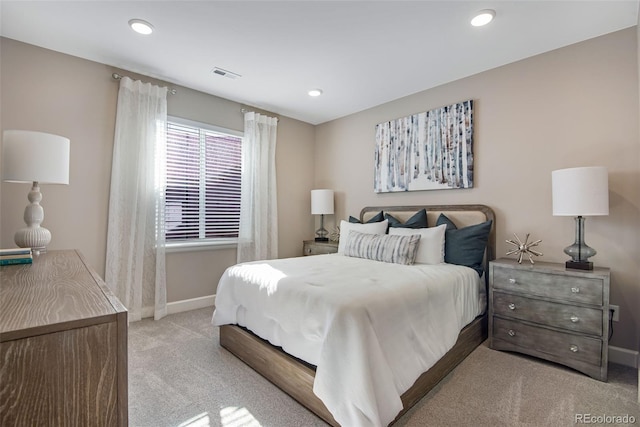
{"x":461,"y":215}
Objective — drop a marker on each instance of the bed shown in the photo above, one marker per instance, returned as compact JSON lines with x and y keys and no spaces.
{"x":358,"y":366}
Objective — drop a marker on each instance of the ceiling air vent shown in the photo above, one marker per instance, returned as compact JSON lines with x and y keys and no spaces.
{"x":225,"y":73}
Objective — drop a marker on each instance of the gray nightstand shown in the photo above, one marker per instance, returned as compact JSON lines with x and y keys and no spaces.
{"x":551,"y":312}
{"x":311,"y":247}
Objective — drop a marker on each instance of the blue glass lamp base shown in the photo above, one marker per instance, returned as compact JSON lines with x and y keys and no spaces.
{"x":579,"y":252}
{"x":321,"y":233}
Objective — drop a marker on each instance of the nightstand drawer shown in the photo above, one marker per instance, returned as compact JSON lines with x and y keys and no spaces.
{"x":567,"y":288}
{"x":311,"y":247}
{"x":573,"y":318}
{"x":559,"y":344}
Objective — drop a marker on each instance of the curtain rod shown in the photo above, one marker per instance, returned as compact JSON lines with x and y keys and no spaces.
{"x":117,"y":76}
{"x":244,"y":110}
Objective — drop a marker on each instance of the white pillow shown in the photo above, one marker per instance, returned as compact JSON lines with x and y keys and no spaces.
{"x":431,"y":245}
{"x":370,"y":228}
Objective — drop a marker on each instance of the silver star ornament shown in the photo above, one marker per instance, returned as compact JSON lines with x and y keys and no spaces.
{"x":523,"y":248}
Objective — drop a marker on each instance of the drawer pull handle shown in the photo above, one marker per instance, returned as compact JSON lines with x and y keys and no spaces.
{"x":512,"y":306}
{"x":575,"y":319}
{"x":512,"y":333}
{"x":512,"y":281}
{"x":574,"y":348}
{"x":575,"y":290}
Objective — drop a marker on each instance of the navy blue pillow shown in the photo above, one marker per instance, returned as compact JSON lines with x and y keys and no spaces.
{"x":465,"y":246}
{"x":379,"y":217}
{"x":419,"y":220}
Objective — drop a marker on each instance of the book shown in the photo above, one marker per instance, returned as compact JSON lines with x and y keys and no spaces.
{"x":16,"y":256}
{"x":15,"y":251}
{"x":16,"y":261}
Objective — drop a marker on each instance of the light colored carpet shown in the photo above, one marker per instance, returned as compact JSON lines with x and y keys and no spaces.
{"x":179,"y":376}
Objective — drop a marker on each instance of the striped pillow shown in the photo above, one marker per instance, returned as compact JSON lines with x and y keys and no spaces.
{"x":382,"y":247}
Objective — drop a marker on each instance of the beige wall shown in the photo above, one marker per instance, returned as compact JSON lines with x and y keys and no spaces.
{"x":51,"y":92}
{"x":571,"y":107}
{"x":576,"y":106}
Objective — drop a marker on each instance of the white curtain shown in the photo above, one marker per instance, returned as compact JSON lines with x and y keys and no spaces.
{"x":135,"y":263}
{"x":258,"y":234}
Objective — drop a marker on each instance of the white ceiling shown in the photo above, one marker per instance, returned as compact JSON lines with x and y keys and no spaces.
{"x":360,"y":53}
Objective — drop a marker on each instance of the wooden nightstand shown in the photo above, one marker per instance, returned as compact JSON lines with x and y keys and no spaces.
{"x":311,"y":247}
{"x":551,"y":312}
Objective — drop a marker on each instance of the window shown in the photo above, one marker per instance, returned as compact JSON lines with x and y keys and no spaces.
{"x":203,"y":183}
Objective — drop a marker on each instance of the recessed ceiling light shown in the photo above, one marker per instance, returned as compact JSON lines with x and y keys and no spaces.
{"x":141,"y":27}
{"x":315,"y":92}
{"x":483,"y":17}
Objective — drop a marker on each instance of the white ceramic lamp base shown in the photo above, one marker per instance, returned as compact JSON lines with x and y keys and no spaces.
{"x":33,"y":236}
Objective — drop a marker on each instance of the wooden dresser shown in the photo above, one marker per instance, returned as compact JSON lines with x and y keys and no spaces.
{"x":63,"y":345}
{"x":549,"y":311}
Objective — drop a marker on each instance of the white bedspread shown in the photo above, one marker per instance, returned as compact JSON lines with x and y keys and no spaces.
{"x":371,"y":328}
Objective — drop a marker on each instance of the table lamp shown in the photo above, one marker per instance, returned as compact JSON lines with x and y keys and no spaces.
{"x":39,"y":158}
{"x":322,"y":204}
{"x":580,"y":192}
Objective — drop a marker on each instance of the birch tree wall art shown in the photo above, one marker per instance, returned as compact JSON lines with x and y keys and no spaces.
{"x":426,"y":151}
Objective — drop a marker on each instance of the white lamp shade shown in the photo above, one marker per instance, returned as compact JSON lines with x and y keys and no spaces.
{"x":29,"y":156}
{"x":321,"y":202}
{"x":580,"y":191}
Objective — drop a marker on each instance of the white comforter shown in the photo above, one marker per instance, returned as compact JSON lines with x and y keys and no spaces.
{"x":371,"y":328}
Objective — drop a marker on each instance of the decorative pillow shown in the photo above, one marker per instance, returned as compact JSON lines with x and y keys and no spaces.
{"x":419,"y":220}
{"x":431,"y":246}
{"x":379,"y":217}
{"x":383,"y":247}
{"x":465,"y":246}
{"x":372,"y":228}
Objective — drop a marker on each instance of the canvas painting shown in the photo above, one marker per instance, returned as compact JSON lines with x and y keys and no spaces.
{"x":432,"y":150}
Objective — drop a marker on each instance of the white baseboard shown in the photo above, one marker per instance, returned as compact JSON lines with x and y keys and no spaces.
{"x":190,"y":304}
{"x":622,"y":356}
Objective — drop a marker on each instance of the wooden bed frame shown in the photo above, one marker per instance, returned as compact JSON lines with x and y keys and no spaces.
{"x":295,"y":377}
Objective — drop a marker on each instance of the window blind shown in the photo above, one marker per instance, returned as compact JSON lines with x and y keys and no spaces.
{"x":203,"y":183}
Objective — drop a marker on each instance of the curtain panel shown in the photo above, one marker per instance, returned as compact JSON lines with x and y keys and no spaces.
{"x":135,"y":261}
{"x":258,"y":232}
